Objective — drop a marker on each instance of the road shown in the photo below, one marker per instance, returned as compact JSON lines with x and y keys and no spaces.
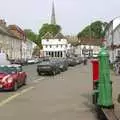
{"x":66,"y":96}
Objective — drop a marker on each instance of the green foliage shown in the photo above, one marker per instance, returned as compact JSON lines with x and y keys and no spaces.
{"x":95,"y":30}
{"x":32,"y":36}
{"x":53,"y":29}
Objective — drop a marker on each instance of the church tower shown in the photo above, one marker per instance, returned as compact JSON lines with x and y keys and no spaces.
{"x":53,"y":20}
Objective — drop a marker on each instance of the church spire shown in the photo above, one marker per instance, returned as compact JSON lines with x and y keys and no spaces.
{"x":53,"y":20}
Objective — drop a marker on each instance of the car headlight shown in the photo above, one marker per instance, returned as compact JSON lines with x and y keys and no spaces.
{"x":10,"y":80}
{"x":5,"y":78}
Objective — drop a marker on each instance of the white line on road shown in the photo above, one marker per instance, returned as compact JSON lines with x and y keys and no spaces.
{"x":15,"y":96}
{"x":37,"y":80}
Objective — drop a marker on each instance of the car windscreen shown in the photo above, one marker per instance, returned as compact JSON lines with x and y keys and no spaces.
{"x":7,"y":70}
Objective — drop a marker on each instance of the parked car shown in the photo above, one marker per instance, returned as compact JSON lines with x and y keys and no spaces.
{"x":62,"y":63}
{"x":19,"y":61}
{"x":71,"y":61}
{"x":49,"y":67}
{"x":12,"y":77}
{"x":30,"y":61}
{"x":78,"y":60}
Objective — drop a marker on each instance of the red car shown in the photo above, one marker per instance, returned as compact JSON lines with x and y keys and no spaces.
{"x":12,"y":77}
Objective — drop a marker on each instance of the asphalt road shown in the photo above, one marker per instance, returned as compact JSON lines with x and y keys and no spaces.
{"x":66,"y":96}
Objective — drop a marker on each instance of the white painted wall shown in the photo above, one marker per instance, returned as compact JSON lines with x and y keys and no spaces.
{"x":56,"y":45}
{"x":79,"y":48}
{"x":12,"y":47}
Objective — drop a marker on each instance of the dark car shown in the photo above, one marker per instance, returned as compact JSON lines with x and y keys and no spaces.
{"x":71,"y":61}
{"x":48,"y":67}
{"x":78,"y":60}
{"x":63,"y":64}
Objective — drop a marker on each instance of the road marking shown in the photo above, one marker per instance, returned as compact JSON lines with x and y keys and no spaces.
{"x":15,"y":96}
{"x":37,"y":80}
{"x":26,"y":90}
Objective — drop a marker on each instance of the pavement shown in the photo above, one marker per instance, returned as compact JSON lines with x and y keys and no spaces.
{"x":66,"y":96}
{"x":116,"y":91}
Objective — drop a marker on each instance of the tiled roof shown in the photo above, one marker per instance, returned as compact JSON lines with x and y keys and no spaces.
{"x":47,"y":36}
{"x":96,"y":42}
{"x":59,"y":36}
{"x":4,"y":30}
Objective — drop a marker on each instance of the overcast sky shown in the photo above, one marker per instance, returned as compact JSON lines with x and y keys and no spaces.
{"x":72,"y":15}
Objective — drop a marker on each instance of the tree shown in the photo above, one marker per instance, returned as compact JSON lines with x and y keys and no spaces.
{"x":32,"y":36}
{"x":53,"y":29}
{"x":95,"y":30}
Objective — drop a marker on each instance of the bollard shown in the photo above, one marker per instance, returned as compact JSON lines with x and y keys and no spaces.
{"x":104,"y":84}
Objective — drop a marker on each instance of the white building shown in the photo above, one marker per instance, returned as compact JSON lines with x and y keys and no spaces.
{"x":14,"y":43}
{"x":88,"y":48}
{"x":55,"y":47}
{"x":27,"y":49}
{"x":112,"y":37}
{"x":9,"y":44}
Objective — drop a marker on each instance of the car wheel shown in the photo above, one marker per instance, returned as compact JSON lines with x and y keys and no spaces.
{"x":15,"y":87}
{"x":39,"y":73}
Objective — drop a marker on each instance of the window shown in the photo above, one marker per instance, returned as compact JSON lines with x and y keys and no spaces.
{"x":52,"y":54}
{"x":61,"y":46}
{"x":61,"y":54}
{"x":59,"y":40}
{"x":55,"y":54}
{"x":56,"y":46}
{"x":46,"y":46}
{"x":119,"y":53}
{"x":50,"y":46}
{"x":47,"y":40}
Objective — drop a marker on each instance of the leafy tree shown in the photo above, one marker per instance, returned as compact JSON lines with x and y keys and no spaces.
{"x":95,"y":30}
{"x":53,"y":29}
{"x":32,"y":36}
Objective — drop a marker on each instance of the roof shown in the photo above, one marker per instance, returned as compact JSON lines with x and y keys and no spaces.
{"x":95,"y":42}
{"x":15,"y":27}
{"x":47,"y":36}
{"x":59,"y":36}
{"x":4,"y":30}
